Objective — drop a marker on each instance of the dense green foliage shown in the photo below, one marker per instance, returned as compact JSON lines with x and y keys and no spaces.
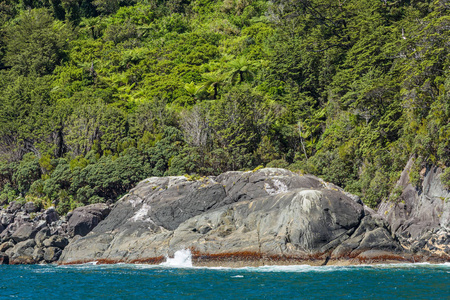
{"x":97,"y":94}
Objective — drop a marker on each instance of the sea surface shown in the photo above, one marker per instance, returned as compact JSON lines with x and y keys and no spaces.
{"x":177,"y":279}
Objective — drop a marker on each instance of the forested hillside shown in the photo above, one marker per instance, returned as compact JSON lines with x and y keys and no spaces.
{"x":96,"y":95}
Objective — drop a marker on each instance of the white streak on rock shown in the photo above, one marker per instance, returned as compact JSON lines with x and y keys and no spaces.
{"x":141,"y":213}
{"x":277,"y":188}
{"x":309,"y":197}
{"x":135,"y":201}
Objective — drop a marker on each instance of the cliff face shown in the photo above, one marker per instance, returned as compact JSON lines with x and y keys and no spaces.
{"x":266,"y":216}
{"x":420,"y":217}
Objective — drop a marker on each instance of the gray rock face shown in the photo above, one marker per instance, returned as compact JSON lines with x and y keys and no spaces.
{"x":27,"y":231}
{"x":4,"y":259}
{"x":24,"y":232}
{"x":5,"y":235}
{"x":420,"y":218}
{"x":13,"y":207}
{"x":6,"y":218}
{"x":41,"y":236}
{"x":50,"y":215}
{"x":267,"y":213}
{"x":38,"y":254}
{"x":22,"y":253}
{"x":5,"y":246}
{"x":52,"y":254}
{"x":56,"y":241}
{"x":84,"y":219}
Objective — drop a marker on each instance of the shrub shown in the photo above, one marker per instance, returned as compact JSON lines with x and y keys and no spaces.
{"x":445,"y":178}
{"x":414,"y":173}
{"x":278,"y":163}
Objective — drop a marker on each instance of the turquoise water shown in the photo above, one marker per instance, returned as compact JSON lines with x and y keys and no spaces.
{"x":421,"y":281}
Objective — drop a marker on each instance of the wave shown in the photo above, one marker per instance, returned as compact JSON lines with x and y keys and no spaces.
{"x":307,"y":268}
{"x":181,"y":259}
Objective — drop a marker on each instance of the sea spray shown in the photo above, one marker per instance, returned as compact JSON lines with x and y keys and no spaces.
{"x":181,"y":259}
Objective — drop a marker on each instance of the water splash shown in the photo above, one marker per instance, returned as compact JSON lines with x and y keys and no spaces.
{"x":181,"y":259}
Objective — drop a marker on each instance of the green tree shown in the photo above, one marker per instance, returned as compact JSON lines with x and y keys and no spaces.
{"x":27,"y":172}
{"x":241,"y":69}
{"x":213,"y":80}
{"x":36,"y":44}
{"x":237,"y":124}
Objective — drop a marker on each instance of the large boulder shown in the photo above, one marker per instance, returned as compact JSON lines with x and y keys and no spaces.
{"x":22,"y":252}
{"x":5,"y":235}
{"x":84,"y":219}
{"x":13,"y":207}
{"x":20,"y":229}
{"x":52,"y":254}
{"x":42,"y":235}
{"x":38,"y":254}
{"x":268,"y":215}
{"x":6,"y":218}
{"x":56,"y":241}
{"x":50,"y":215}
{"x":6,"y":245}
{"x":27,"y":231}
{"x":23,"y":260}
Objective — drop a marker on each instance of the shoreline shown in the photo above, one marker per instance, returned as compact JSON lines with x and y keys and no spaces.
{"x":240,"y":261}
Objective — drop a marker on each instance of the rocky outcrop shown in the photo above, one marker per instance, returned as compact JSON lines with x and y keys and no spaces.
{"x":420,"y":217}
{"x":269,"y":216}
{"x":266,"y":216}
{"x":29,"y":235}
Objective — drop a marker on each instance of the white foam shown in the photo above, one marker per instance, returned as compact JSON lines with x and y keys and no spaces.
{"x":181,"y":259}
{"x":292,"y":269}
{"x":308,"y":268}
{"x":91,"y":263}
